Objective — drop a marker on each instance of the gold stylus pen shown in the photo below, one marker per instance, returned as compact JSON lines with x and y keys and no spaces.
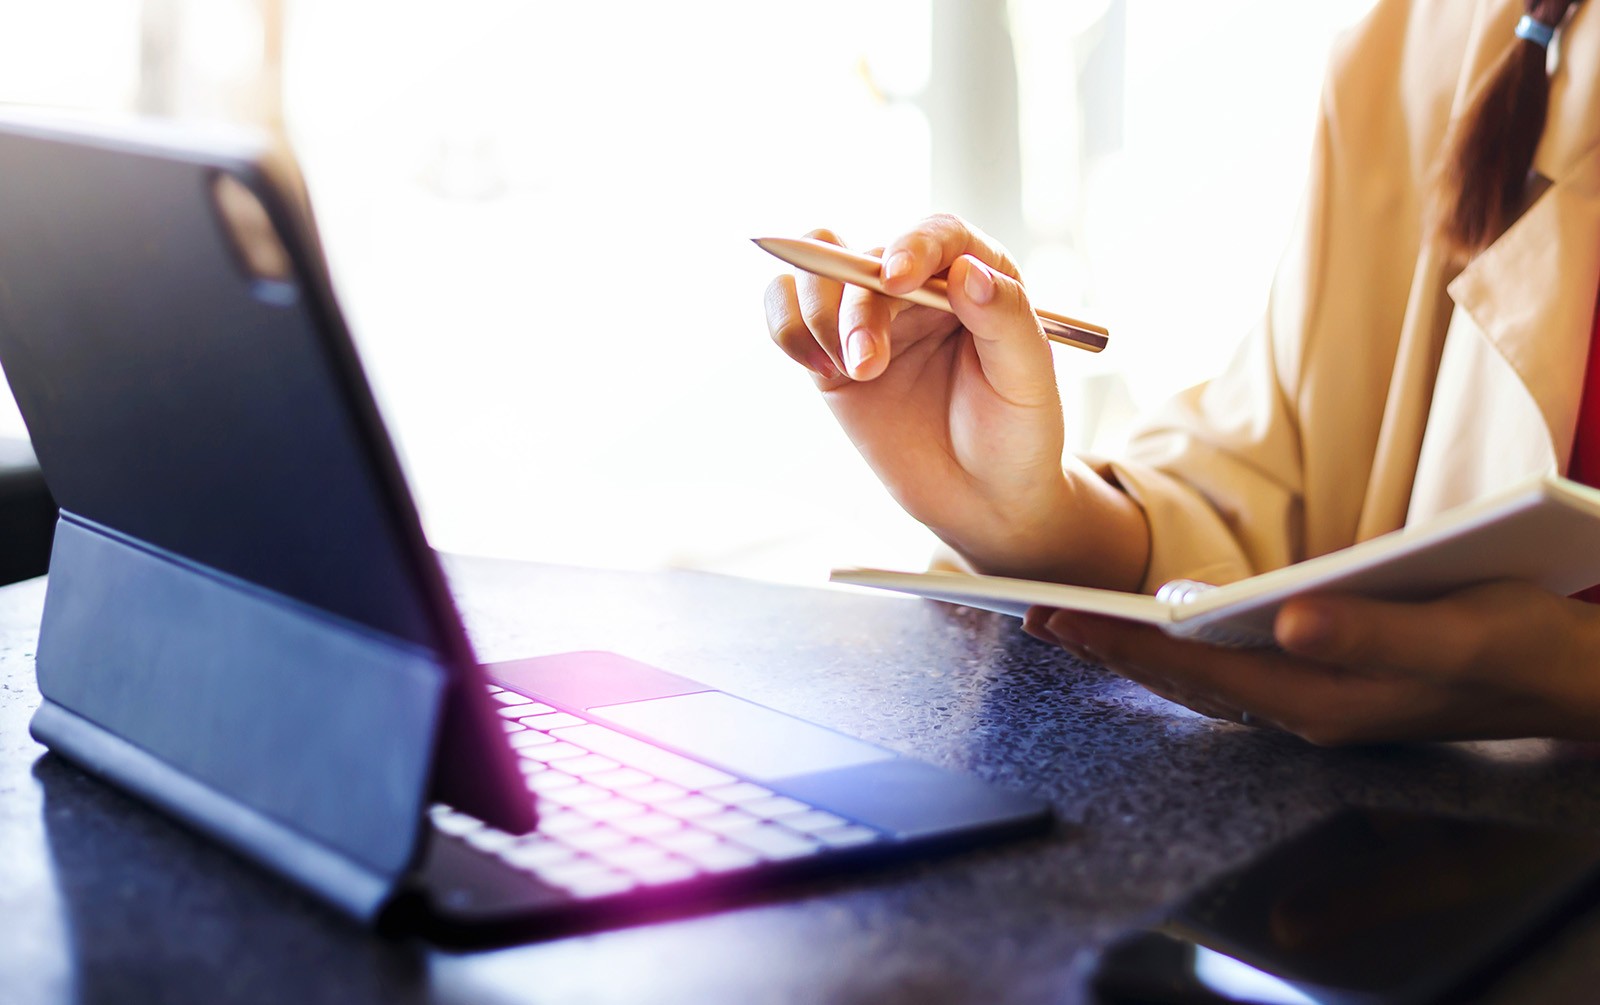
{"x":833,"y":262}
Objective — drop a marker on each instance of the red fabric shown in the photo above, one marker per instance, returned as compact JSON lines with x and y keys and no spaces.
{"x":1585,"y":466}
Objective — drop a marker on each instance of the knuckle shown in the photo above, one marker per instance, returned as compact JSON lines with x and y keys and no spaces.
{"x":823,"y":234}
{"x":939,"y":231}
{"x":921,"y":244}
{"x":792,"y":337}
{"x":858,"y":306}
{"x":821,"y":316}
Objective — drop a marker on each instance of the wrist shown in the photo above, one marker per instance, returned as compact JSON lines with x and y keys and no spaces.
{"x":1070,"y":526}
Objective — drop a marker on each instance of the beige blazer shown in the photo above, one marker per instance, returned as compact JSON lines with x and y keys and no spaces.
{"x":1384,"y":385}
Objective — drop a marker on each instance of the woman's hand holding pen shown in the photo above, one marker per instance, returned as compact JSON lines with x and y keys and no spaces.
{"x":960,"y":415}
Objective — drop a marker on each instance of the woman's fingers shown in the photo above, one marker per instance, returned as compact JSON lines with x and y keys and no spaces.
{"x":1496,"y":660}
{"x":1323,"y":704}
{"x":1012,"y":351}
{"x":787,"y":325}
{"x":833,"y":328}
{"x":933,"y":246}
{"x":1426,"y":639}
{"x":863,"y":324}
{"x":803,"y":318}
{"x":819,"y":304}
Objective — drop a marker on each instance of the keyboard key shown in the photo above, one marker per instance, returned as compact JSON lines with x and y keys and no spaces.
{"x":740,"y":792}
{"x":527,"y":709}
{"x":776,"y":806}
{"x":622,"y":779}
{"x":550,"y":720}
{"x":505,"y":697}
{"x":660,"y":873}
{"x":691,"y":807}
{"x":815,"y":820}
{"x":548,"y":780}
{"x":575,"y":871}
{"x":686,"y":839}
{"x":727,"y":821}
{"x":605,"y":885}
{"x":647,"y":824}
{"x":575,"y":795}
{"x":490,"y":840}
{"x":773,"y":842}
{"x":721,"y":857}
{"x":590,"y":764}
{"x":557,"y":821}
{"x":512,"y":727}
{"x":636,"y":753}
{"x":528,"y":738}
{"x":615,"y":808}
{"x":631,"y":855}
{"x":845,"y":837}
{"x":595,"y":838}
{"x":456,"y":824}
{"x":494,"y":688}
{"x":552,"y":752}
{"x":538,"y":855}
{"x":653,"y":792}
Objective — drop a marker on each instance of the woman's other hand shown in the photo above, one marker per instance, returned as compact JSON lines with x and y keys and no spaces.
{"x":960,"y":415}
{"x":1495,"y":661}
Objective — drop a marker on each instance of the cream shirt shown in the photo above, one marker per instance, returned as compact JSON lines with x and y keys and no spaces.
{"x":1385,"y":385}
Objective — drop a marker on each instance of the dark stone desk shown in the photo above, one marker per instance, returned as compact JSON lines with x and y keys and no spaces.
{"x":102,"y":900}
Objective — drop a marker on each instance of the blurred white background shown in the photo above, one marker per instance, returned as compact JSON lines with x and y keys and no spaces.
{"x":537,"y":217}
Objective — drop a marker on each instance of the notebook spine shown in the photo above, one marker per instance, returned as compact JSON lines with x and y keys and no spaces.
{"x":1182,"y":591}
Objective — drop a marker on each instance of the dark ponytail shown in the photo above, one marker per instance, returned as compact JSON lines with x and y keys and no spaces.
{"x":1484,"y":171}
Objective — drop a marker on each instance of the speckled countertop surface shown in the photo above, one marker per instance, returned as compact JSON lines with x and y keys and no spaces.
{"x":103,"y":900}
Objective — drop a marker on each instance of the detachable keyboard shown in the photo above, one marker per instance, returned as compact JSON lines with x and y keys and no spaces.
{"x":616,"y":812}
{"x":655,"y":791}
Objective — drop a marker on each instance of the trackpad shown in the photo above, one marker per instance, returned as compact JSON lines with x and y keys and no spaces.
{"x":742,"y":736}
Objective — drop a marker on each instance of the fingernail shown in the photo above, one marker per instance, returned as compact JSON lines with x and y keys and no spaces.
{"x":822,"y":365}
{"x":858,"y":349}
{"x":897,"y":265}
{"x":980,"y":283}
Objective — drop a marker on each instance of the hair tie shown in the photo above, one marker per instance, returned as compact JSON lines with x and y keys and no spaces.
{"x":1535,"y":31}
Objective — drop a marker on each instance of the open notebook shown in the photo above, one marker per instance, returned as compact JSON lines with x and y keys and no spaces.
{"x":1544,"y":531}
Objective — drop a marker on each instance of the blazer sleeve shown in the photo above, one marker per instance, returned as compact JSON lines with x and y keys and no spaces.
{"x":1221,"y":469}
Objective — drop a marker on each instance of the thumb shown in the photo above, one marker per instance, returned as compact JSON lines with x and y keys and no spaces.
{"x":1359,"y":632}
{"x":1013,"y":352}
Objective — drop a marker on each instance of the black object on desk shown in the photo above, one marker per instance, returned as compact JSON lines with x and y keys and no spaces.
{"x":244,"y":625}
{"x":27,"y":513}
{"x":1368,"y":907}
